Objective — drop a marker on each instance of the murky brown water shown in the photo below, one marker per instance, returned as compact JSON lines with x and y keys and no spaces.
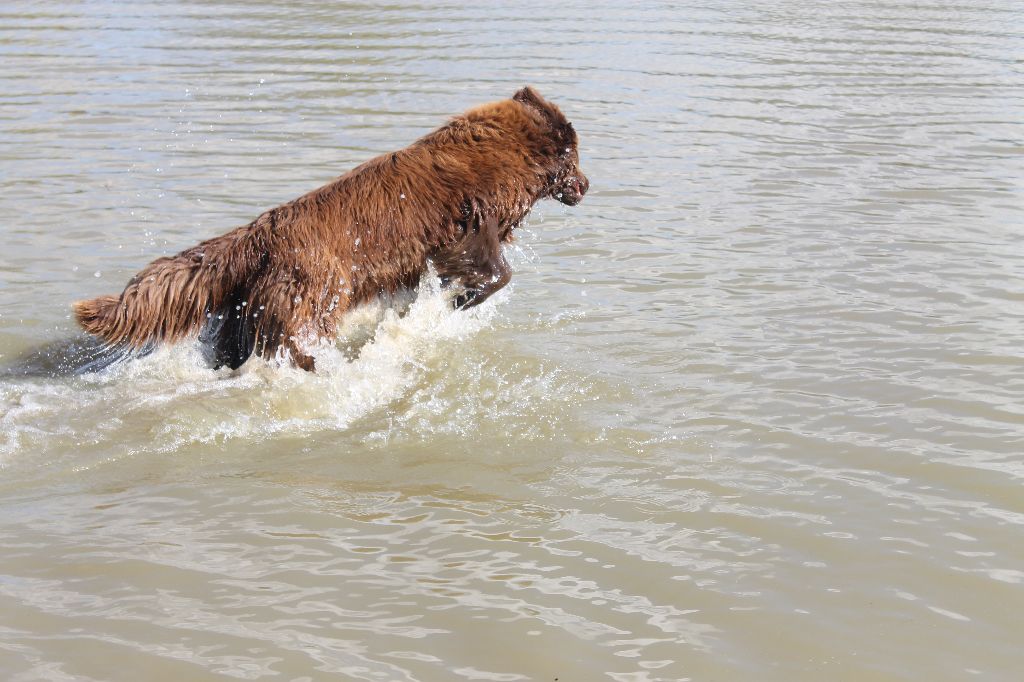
{"x":753,"y":411}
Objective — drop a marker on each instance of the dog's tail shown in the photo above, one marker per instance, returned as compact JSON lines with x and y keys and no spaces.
{"x":96,"y":315}
{"x":172,"y":298}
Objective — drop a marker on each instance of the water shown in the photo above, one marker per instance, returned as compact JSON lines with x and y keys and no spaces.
{"x":752,"y":411}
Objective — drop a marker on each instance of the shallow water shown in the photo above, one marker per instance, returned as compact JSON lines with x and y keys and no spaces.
{"x":754,"y":410}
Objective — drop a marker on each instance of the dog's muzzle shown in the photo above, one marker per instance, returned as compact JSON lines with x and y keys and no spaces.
{"x":572,"y":190}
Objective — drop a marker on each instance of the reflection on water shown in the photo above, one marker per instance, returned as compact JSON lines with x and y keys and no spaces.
{"x":751,"y":411}
{"x":74,"y":355}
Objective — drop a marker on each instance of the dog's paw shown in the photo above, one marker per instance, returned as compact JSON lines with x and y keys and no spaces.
{"x":465,"y":299}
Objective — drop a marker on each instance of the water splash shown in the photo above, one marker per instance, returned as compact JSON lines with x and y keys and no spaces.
{"x":171,"y":397}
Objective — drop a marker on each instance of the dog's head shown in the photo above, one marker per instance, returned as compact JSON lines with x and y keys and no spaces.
{"x":558,"y":146}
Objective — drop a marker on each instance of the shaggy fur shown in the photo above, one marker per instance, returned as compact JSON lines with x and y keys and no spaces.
{"x":283,"y":280}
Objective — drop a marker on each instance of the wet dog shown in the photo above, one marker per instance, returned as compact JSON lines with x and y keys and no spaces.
{"x":280,"y":283}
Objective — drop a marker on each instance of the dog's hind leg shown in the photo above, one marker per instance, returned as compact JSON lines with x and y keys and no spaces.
{"x":284,"y":314}
{"x":300,"y":358}
{"x":227,"y":339}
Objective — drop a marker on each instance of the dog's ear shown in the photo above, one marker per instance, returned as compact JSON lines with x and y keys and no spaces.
{"x":559,"y":125}
{"x":567,"y":133}
{"x":531,"y":98}
{"x":528,"y":95}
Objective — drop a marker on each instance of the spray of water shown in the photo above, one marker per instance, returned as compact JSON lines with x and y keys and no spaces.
{"x":171,"y":397}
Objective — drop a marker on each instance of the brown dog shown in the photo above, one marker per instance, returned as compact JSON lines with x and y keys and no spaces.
{"x":284,"y":279}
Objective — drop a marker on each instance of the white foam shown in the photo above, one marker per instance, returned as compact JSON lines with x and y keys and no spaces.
{"x":170,"y":398}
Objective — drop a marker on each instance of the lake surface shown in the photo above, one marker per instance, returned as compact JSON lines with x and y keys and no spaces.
{"x":754,"y":410}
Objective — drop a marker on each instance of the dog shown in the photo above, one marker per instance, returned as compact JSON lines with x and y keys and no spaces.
{"x":279,"y":284}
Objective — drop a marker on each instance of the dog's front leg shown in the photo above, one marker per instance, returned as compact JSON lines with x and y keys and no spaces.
{"x":476,"y":261}
{"x":479,"y":293}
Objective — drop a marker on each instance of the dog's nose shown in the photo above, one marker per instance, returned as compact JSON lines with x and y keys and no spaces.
{"x":584,"y":184}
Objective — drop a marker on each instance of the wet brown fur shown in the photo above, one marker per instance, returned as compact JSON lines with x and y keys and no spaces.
{"x":283,"y":280}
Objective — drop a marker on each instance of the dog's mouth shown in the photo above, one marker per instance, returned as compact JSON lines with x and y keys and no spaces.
{"x":572,"y":190}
